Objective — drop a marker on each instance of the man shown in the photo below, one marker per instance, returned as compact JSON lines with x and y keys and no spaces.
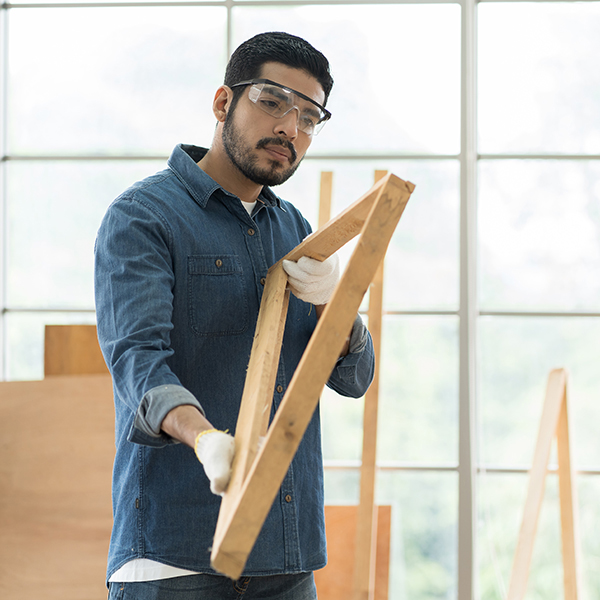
{"x":181,"y":259}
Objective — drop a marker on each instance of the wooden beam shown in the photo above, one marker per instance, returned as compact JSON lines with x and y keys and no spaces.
{"x":554,"y":422}
{"x":325,"y":195}
{"x":366,"y":527}
{"x":568,"y":506}
{"x":245,"y":508}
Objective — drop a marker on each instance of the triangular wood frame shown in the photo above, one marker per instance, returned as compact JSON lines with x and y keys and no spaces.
{"x":554,"y":423}
{"x":258,"y":472}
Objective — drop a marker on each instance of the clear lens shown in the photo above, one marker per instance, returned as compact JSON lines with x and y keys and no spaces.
{"x":278,"y":102}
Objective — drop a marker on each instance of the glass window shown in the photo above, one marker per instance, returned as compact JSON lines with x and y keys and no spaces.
{"x":516,"y":356}
{"x":25,"y":340}
{"x":423,"y":541}
{"x":423,"y":553}
{"x":421,"y":269}
{"x":502,"y":497}
{"x":396,"y":68}
{"x":54,"y":211}
{"x":538,"y":77}
{"x":539,"y":235}
{"x":418,"y":408}
{"x":112,"y":81}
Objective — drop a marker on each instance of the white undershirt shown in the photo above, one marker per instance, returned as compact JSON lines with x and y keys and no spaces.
{"x":144,"y":569}
{"x":249,"y":206}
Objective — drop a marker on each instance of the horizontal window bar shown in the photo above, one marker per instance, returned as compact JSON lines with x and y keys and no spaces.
{"x":388,"y":466}
{"x":538,"y":156}
{"x":416,"y":313}
{"x":225,"y":3}
{"x":515,"y":313}
{"x":125,"y":157}
{"x":79,"y":157}
{"x":350,"y":465}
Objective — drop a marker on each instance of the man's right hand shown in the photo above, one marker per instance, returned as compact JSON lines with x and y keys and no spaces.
{"x":214,"y":450}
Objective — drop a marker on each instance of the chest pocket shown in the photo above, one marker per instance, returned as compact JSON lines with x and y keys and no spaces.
{"x":217,"y":298}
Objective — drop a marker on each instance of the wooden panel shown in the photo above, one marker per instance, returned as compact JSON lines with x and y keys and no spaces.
{"x":56,"y":455}
{"x":72,"y":350}
{"x":333,"y":582}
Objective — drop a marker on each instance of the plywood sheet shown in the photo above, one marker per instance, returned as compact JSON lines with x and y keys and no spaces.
{"x":56,"y":455}
{"x":335,"y":581}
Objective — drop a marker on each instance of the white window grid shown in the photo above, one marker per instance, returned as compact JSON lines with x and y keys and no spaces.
{"x":468,"y":312}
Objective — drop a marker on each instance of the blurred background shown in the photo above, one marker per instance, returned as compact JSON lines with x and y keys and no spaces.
{"x":491,"y":280}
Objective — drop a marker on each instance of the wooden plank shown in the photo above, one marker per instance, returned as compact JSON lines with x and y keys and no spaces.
{"x":56,"y":456}
{"x":72,"y":350}
{"x":325,"y":195}
{"x":537,"y":481}
{"x":253,"y":418}
{"x":568,"y":506}
{"x":332,"y":581}
{"x":239,"y":525}
{"x":365,"y":546}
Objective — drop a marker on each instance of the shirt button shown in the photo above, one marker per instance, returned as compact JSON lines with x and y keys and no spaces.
{"x":288,"y":498}
{"x":250,"y":231}
{"x":279,"y":389}
{"x":263,"y":281}
{"x":219,"y":263}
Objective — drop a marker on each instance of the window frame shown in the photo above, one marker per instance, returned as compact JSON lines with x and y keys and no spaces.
{"x":468,"y":311}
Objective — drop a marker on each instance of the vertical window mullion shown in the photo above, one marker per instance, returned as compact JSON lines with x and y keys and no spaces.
{"x":3,"y":153}
{"x":467,"y":572}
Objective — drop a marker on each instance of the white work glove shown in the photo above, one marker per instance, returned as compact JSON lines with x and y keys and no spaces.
{"x":312,"y":280}
{"x":214,"y":450}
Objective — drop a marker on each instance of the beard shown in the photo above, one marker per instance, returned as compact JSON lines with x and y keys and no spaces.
{"x":246,"y":161}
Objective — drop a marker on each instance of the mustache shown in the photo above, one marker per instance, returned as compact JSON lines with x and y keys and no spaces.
{"x":264,"y":142}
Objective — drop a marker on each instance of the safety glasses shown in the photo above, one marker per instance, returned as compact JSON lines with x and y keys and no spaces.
{"x":278,"y":100}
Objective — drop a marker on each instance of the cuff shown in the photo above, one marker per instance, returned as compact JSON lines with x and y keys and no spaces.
{"x":153,"y":408}
{"x":359,"y":336}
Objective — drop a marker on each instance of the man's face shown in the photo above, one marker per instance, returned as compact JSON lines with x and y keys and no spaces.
{"x":265,"y":149}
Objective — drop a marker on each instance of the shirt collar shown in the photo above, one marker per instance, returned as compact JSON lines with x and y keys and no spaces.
{"x":201,"y":186}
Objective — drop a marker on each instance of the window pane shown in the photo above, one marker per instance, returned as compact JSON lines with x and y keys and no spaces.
{"x":539,"y":235}
{"x":341,"y":425}
{"x":424,"y":542}
{"x":421,"y":269}
{"x":516,"y":356}
{"x":54,"y":211}
{"x":418,"y":407}
{"x":418,"y":397}
{"x":397,"y":72}
{"x":588,"y":489}
{"x":113,"y":80}
{"x":538,"y":77}
{"x":501,"y":502}
{"x":25,"y":340}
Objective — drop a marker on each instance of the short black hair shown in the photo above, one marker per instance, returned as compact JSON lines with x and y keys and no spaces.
{"x":276,"y":46}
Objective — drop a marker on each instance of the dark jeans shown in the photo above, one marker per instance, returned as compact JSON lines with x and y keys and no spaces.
{"x":213,"y":587}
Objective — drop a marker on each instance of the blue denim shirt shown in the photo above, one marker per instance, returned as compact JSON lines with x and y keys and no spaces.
{"x":179,"y":275}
